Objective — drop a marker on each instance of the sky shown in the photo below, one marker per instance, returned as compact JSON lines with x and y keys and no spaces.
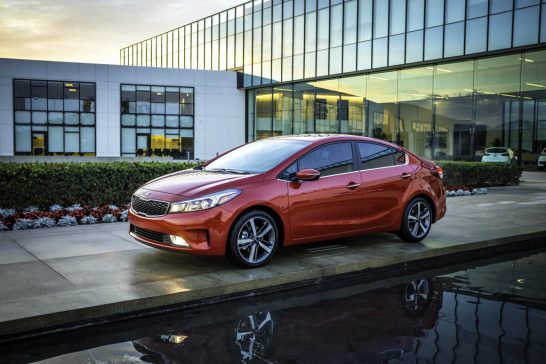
{"x":91,"y":31}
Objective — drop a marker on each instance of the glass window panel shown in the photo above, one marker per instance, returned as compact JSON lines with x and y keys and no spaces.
{"x":55,"y":90}
{"x":299,"y":7}
{"x":381,"y":18}
{"x":310,"y":5}
{"x":336,"y":26}
{"x":433,"y":43}
{"x":364,"y":55}
{"x":500,"y":31}
{"x":22,"y":139}
{"x":282,"y":110}
{"x":476,"y":35}
{"x":158,"y":94}
{"x":364,"y":20}
{"x":276,"y":67}
{"x":352,"y":106}
{"x":349,"y":58}
{"x":186,"y":95}
{"x":476,"y":8}
{"x":322,"y":62}
{"x":310,"y":32}
{"x":310,"y":64}
{"x":398,"y":16}
{"x":87,"y":91}
{"x":525,"y":3}
{"x":414,"y":46}
{"x":143,"y":107}
{"x":288,"y":9}
{"x":21,"y":88}
{"x":20,"y":103}
{"x":172,"y":121}
{"x":71,"y":118}
{"x":543,"y":24}
{"x":277,"y":13}
{"x":39,"y":118}
{"x":143,"y":120}
{"x":335,"y":60}
{"x":303,"y":108}
{"x":71,"y":142}
{"x":55,"y":118}
{"x":323,"y":3}
{"x":257,"y":47}
{"x":22,"y":117}
{"x":172,"y":108}
{"x":287,"y":69}
{"x":186,"y":109}
{"x":382,"y":111}
{"x":266,"y":72}
{"x":298,"y":67}
{"x":396,"y":49}
{"x":435,"y":13}
{"x":454,"y":11}
{"x":128,"y":140}
{"x":349,"y":23}
{"x":330,"y":159}
{"x":264,"y":113}
{"x":323,"y":28}
{"x":287,"y":38}
{"x":87,"y":105}
{"x":266,"y":41}
{"x":39,"y":103}
{"x":128,"y":120}
{"x":454,"y":40}
{"x":186,"y":122}
{"x":55,"y":139}
{"x":158,"y":108}
{"x":498,"y":6}
{"x":526,"y":26}
{"x":87,"y":140}
{"x":380,"y":52}
{"x":267,"y":14}
{"x":416,"y":14}
{"x":326,"y":106}
{"x":277,"y":40}
{"x":158,"y":120}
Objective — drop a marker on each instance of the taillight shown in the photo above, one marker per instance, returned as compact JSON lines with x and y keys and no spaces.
{"x":440,"y":172}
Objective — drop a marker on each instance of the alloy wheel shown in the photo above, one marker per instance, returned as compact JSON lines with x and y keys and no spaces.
{"x":419,"y":219}
{"x":256,"y":240}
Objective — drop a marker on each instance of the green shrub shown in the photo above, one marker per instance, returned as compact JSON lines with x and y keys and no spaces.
{"x":95,"y":184}
{"x":477,"y":174}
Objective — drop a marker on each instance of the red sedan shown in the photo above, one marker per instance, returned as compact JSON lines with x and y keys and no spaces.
{"x":289,"y":190}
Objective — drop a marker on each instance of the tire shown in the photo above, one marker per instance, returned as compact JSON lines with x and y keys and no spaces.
{"x":253,"y":239}
{"x":416,"y":221}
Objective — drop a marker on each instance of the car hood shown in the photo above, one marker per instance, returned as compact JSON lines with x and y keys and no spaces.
{"x":193,"y":183}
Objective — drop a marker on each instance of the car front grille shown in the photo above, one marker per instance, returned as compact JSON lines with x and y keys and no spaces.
{"x":150,"y":208}
{"x":150,"y":235}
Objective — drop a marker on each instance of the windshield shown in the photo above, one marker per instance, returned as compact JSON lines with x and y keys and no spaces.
{"x":496,"y":150}
{"x":257,"y":157}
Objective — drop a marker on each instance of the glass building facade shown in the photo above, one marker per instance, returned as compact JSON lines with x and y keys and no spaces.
{"x":54,"y":117}
{"x":445,"y":78}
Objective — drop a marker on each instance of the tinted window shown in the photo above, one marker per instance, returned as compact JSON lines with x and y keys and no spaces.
{"x":289,"y":172}
{"x":329,"y":159}
{"x":377,"y":156}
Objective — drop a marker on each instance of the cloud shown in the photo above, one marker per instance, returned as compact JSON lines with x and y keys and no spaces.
{"x":91,"y":31}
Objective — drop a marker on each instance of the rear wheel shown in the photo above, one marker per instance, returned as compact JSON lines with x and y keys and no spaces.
{"x":254,"y":239}
{"x":416,"y":221}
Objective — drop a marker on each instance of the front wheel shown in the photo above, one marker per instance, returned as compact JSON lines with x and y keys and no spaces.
{"x":416,"y":221}
{"x":253,"y":239}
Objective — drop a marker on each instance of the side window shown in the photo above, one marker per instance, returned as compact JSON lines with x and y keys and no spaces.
{"x":374,"y":155}
{"x":289,"y":172}
{"x":329,"y":159}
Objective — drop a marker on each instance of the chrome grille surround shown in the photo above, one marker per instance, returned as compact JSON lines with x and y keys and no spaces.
{"x":149,"y":208}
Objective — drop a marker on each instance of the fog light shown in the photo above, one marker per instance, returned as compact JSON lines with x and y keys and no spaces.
{"x":179,"y":241}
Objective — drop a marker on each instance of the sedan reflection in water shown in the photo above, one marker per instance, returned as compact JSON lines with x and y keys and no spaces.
{"x":365,"y":328}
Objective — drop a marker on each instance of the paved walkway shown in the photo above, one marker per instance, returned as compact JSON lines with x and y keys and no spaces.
{"x":61,"y":276}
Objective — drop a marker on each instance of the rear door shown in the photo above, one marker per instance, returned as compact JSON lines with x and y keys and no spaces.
{"x":333,"y":203}
{"x":386,"y":178}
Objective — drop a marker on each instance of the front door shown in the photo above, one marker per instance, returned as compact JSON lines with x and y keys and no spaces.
{"x":332,"y":204}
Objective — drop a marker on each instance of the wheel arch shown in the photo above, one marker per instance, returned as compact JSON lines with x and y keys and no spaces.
{"x":268,"y":209}
{"x":428,"y":199}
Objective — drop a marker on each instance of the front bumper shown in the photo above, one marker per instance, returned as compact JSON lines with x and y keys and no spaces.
{"x":206,"y":232}
{"x":541,"y":161}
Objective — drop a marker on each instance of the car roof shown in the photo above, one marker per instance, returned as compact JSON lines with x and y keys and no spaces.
{"x":330,"y":137}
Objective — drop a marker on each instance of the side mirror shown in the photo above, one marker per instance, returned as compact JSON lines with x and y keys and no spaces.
{"x":307,"y":175}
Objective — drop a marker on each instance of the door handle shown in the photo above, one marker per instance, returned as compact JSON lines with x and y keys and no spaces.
{"x":353,"y":186}
{"x":405,"y":175}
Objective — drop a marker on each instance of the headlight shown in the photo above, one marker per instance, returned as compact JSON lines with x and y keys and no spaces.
{"x":204,"y":202}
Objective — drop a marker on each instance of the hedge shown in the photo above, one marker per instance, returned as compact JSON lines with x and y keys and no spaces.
{"x":95,"y":184}
{"x":477,"y":174}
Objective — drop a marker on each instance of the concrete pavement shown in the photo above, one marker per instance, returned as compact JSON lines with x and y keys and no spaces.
{"x":66,"y":276}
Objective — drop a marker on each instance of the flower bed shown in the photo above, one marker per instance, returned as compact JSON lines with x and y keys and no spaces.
{"x":56,"y":215}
